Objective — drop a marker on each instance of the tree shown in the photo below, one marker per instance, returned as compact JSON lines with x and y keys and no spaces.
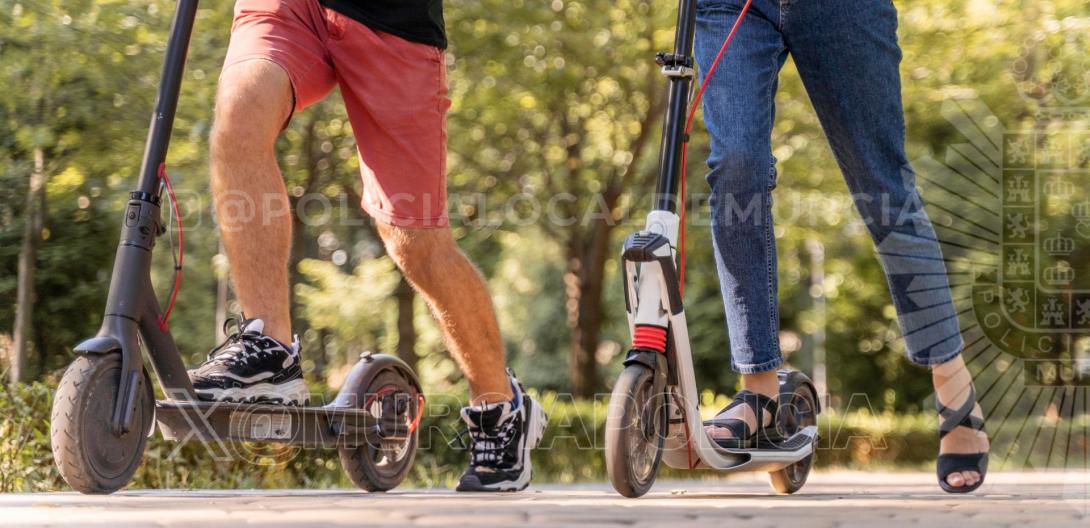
{"x":568,"y":96}
{"x":35,"y":203}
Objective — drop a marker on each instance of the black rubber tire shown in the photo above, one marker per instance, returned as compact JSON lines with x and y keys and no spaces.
{"x":369,"y":466}
{"x":634,"y":451}
{"x":797,"y":410}
{"x":90,"y":457}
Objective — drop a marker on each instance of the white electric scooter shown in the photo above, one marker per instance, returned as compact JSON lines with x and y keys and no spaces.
{"x":654,"y":413}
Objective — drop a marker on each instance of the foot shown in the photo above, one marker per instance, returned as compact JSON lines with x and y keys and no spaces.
{"x":953,"y":386}
{"x":251,"y":367}
{"x":501,"y":437}
{"x":736,"y":425}
{"x":766,"y":384}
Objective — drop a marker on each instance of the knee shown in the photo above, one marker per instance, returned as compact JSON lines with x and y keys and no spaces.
{"x":419,"y":253}
{"x":253,"y":101}
{"x":739,"y":168}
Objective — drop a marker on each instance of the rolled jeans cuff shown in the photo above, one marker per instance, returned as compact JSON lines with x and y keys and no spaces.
{"x":938,"y":354}
{"x":756,"y":368}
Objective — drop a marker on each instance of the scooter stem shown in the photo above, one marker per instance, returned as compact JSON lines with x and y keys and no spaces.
{"x":132,"y":310}
{"x":678,"y":66}
{"x":166,"y":100}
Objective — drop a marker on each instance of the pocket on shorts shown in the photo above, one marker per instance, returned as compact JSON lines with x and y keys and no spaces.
{"x":424,"y":51}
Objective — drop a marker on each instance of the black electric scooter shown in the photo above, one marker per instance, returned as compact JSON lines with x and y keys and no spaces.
{"x":105,"y":407}
{"x":654,"y":412}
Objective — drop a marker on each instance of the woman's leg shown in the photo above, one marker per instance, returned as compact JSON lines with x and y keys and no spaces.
{"x":738,"y":111}
{"x":848,"y":57}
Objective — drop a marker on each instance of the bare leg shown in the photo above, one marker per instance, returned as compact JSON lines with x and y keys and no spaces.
{"x":459,"y":301}
{"x":251,"y":203}
{"x":952,"y":386}
{"x":766,"y":384}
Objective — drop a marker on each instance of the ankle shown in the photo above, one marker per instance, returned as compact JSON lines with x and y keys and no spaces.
{"x":279,"y":331}
{"x":952,"y":380}
{"x":764,"y":383}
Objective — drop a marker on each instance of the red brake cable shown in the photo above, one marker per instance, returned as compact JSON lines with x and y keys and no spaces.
{"x":181,"y":247}
{"x":695,"y":104}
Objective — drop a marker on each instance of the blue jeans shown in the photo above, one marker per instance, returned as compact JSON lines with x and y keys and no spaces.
{"x":847,"y":54}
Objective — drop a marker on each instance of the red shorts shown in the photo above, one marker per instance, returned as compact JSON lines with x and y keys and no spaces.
{"x":395,"y":92}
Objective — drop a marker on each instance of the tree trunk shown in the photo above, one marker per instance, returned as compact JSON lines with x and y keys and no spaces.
{"x":28,"y":256}
{"x":586,"y":311}
{"x":406,"y":329}
{"x":303,"y":246}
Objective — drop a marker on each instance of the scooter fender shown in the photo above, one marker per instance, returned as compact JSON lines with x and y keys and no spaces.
{"x":656,"y":361}
{"x":789,"y":379}
{"x":355,"y":385}
{"x":103,"y":344}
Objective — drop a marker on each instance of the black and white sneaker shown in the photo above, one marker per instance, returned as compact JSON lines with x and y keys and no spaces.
{"x":501,"y":437}
{"x":251,"y":367}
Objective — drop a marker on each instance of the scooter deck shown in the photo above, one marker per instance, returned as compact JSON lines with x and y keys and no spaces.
{"x":769,"y":443}
{"x":774,"y":456}
{"x":207,"y":421}
{"x":762,"y":457}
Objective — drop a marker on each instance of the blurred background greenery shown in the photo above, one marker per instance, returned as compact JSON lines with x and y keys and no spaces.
{"x":549,"y":97}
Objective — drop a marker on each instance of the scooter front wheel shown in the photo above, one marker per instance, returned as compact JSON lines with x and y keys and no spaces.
{"x":90,"y":456}
{"x":635,"y":431}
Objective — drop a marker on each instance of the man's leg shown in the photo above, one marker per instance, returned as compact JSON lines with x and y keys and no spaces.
{"x":276,"y":58}
{"x":503,"y":423}
{"x":459,"y":300}
{"x":259,"y":362}
{"x":253,"y":101}
{"x":396,"y":95}
{"x":848,"y":57}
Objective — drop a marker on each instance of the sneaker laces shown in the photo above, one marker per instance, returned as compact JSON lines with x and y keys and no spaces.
{"x":228,"y":354}
{"x":488,"y":447}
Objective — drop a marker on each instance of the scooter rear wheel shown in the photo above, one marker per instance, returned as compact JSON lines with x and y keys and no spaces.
{"x":797,"y":410}
{"x":383,"y":465}
{"x":89,"y":455}
{"x":635,"y":432}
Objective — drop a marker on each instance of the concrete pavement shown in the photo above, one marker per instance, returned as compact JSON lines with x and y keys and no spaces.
{"x":847,"y":499}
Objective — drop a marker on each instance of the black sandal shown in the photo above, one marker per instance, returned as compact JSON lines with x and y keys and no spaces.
{"x":950,"y":463}
{"x":743,"y":437}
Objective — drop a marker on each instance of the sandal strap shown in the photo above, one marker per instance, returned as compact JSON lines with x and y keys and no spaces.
{"x":759,"y":403}
{"x":954,"y":462}
{"x":738,"y":428}
{"x":960,"y":417}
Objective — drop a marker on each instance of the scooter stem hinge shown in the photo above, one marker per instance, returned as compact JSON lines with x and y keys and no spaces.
{"x":674,"y":65}
{"x":677,"y":71}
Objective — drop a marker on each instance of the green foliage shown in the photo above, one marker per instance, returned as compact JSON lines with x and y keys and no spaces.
{"x":548,"y":98}
{"x":26,"y":461}
{"x":358,"y":320}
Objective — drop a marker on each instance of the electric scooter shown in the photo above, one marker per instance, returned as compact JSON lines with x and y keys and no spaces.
{"x":105,"y":407}
{"x":654,"y":413}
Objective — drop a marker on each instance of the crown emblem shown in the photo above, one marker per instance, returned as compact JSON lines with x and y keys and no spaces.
{"x":1081,"y":211}
{"x":1059,"y":188}
{"x":1067,"y":89}
{"x":1059,"y":274}
{"x":1059,"y":245}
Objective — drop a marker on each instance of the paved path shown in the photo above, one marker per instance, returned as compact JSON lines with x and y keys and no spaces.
{"x":829,"y":500}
